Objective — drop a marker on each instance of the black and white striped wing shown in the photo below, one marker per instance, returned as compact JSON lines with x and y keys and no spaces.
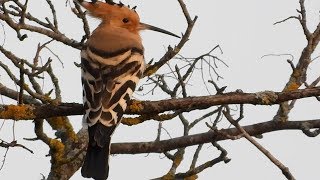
{"x":109,"y":80}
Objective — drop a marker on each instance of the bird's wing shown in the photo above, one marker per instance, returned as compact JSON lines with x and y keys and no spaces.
{"x":109,"y":79}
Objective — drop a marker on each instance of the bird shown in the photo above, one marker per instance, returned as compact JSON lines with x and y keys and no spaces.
{"x":112,"y":63}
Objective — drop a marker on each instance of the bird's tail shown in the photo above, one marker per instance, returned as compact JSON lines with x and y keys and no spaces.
{"x":96,"y":162}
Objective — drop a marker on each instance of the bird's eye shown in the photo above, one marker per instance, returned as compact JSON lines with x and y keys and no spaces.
{"x":125,"y":20}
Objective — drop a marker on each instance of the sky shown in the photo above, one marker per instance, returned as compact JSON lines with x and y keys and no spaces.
{"x":245,"y":32}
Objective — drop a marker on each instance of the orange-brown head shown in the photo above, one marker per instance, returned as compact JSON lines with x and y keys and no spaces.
{"x":119,"y":16}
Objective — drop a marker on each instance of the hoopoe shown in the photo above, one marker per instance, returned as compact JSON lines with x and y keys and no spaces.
{"x":112,"y":63}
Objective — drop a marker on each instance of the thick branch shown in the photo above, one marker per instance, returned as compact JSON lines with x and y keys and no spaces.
{"x":155,"y":107}
{"x":208,"y":137}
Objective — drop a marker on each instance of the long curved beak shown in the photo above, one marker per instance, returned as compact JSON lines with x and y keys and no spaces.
{"x":153,"y":28}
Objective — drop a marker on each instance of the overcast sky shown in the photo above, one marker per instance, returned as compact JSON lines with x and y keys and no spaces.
{"x":245,"y":31}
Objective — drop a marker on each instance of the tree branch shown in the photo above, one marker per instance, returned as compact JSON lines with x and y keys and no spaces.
{"x":155,"y":107}
{"x":299,"y":73}
{"x":208,"y":137}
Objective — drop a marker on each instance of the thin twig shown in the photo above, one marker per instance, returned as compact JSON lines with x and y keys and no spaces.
{"x":14,"y":143}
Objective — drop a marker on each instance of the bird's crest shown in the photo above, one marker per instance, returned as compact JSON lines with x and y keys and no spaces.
{"x":117,"y":15}
{"x":109,"y":9}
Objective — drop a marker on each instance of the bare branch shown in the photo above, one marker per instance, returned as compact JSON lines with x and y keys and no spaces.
{"x":303,"y":19}
{"x":196,"y":170}
{"x":307,"y":131}
{"x":173,"y":51}
{"x":80,"y":14}
{"x":21,"y":84}
{"x":54,"y":35}
{"x":53,"y":11}
{"x":274,"y":160}
{"x":7,"y":145}
{"x":286,"y":19}
{"x":10,"y":93}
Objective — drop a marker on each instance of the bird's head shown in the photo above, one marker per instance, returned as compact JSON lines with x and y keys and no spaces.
{"x":120,"y":16}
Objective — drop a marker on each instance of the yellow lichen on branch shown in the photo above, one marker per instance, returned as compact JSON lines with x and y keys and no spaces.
{"x":292,"y":86}
{"x":177,"y":161}
{"x":135,"y":106}
{"x":61,"y":122}
{"x":193,"y":177}
{"x":151,"y":71}
{"x":131,"y":121}
{"x":266,"y":97}
{"x":17,"y":112}
{"x":137,"y":120}
{"x":168,"y":176}
{"x":57,"y":150}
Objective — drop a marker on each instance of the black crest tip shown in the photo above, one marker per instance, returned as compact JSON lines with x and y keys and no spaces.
{"x":120,"y":4}
{"x":110,"y":2}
